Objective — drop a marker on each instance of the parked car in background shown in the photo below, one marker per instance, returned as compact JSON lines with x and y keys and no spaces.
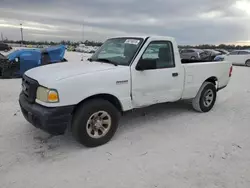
{"x":71,"y":48}
{"x":4,"y":47}
{"x":192,"y":54}
{"x":80,"y":48}
{"x":221,"y":57}
{"x":222,"y":51}
{"x":29,"y":46}
{"x":211,"y":54}
{"x":239,"y":57}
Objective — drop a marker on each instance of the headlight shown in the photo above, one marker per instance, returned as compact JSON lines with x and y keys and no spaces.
{"x":47,"y":95}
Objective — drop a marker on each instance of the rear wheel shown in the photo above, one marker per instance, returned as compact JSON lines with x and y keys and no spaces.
{"x":95,"y":122}
{"x":248,"y":63}
{"x":193,"y":58}
{"x":205,"y":98}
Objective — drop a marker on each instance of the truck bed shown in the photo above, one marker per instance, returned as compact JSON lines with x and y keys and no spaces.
{"x":197,"y":73}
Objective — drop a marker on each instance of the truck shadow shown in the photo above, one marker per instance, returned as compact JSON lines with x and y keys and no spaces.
{"x":135,"y":118}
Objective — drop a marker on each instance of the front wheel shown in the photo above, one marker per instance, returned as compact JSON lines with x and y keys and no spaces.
{"x":95,"y":122}
{"x":205,"y":98}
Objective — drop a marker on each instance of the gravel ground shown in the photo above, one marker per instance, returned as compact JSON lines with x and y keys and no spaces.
{"x":166,"y":145}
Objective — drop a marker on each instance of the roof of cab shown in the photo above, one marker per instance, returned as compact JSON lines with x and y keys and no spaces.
{"x":130,"y":36}
{"x":144,"y":37}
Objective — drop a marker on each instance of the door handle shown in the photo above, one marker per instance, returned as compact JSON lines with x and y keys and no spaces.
{"x":175,"y":74}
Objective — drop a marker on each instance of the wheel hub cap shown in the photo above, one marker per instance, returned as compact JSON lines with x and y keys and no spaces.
{"x":98,"y":124}
{"x":208,"y":98}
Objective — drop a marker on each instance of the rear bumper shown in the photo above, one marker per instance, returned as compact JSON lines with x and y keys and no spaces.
{"x":52,"y":120}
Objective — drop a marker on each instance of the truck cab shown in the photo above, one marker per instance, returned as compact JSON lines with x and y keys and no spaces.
{"x":123,"y":74}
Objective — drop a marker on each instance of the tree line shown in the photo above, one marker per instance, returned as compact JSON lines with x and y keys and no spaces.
{"x":221,"y":46}
{"x":64,"y":42}
{"x":96,"y":43}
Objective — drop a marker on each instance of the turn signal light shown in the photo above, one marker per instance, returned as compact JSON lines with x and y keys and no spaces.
{"x":53,"y":96}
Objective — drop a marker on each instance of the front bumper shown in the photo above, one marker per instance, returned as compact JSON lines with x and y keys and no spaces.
{"x":52,"y":120}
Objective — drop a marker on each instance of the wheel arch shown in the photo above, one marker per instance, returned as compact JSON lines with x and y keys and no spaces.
{"x":213,"y":80}
{"x":109,"y":97}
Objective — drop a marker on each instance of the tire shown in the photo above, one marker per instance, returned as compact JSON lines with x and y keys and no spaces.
{"x":86,"y":131}
{"x":199,"y":103}
{"x":248,"y":63}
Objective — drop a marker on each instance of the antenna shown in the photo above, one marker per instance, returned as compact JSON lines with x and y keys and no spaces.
{"x":2,"y":36}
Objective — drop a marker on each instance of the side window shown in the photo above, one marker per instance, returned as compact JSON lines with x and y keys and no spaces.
{"x":158,"y":55}
{"x":190,"y":51}
{"x":234,"y":53}
{"x":243,"y":52}
{"x":187,"y":51}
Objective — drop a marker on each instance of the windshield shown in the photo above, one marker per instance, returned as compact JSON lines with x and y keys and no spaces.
{"x":118,"y":50}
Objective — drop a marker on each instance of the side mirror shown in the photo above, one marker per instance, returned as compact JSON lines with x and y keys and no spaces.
{"x":141,"y":65}
{"x":16,"y":60}
{"x":145,"y":65}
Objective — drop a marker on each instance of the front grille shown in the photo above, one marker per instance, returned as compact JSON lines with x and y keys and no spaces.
{"x":29,"y":87}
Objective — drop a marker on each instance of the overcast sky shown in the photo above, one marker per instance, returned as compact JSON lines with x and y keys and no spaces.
{"x":189,"y":21}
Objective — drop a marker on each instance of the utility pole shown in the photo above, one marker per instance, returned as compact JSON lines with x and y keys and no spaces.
{"x":2,"y":36}
{"x":21,"y":29}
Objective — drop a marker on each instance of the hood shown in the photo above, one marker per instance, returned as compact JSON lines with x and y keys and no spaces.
{"x":59,"y":71}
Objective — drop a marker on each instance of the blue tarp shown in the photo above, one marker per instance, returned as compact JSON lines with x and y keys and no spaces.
{"x":17,"y":53}
{"x":56,"y":53}
{"x":31,"y":58}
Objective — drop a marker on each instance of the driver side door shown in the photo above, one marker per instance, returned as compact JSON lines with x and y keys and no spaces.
{"x":162,"y":79}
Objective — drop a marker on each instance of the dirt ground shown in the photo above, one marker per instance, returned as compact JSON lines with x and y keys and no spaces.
{"x":166,"y":145}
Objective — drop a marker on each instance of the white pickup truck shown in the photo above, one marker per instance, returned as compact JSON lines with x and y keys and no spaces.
{"x":125,"y":73}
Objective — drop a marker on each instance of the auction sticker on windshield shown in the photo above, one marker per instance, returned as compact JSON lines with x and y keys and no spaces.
{"x":132,"y":41}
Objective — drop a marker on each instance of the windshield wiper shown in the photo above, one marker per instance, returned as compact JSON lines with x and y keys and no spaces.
{"x":103,"y":60}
